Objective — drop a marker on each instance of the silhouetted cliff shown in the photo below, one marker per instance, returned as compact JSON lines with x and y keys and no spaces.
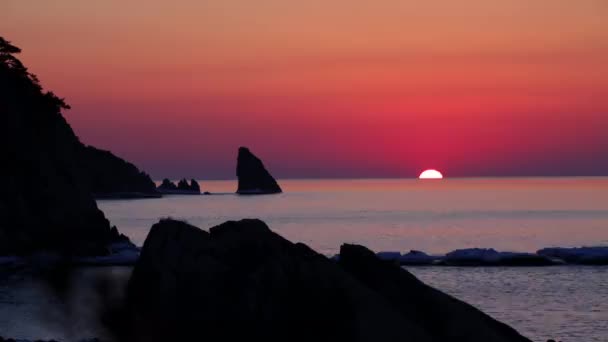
{"x":253,"y":177}
{"x":45,"y":201}
{"x":110,"y":176}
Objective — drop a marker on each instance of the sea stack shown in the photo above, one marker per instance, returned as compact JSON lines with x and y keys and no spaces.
{"x":182,"y":187}
{"x":253,"y":177}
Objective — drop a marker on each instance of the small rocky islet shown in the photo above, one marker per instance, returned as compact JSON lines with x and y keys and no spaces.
{"x":253,"y":178}
{"x":182,"y":188}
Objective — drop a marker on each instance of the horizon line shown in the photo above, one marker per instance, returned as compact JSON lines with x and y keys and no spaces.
{"x":391,"y":178}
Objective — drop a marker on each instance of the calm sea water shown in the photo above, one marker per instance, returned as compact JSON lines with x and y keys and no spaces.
{"x":569,"y":303}
{"x":566,"y":303}
{"x":397,"y":215}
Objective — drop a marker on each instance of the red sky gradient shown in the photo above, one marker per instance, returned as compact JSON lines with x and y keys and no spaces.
{"x":328,"y":88}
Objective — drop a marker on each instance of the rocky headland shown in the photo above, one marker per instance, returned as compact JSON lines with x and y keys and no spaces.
{"x":45,"y":202}
{"x":109,"y":176}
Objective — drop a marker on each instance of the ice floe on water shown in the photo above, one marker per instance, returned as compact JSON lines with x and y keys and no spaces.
{"x":578,"y":255}
{"x":492,"y":257}
{"x":388,"y":255}
{"x":414,"y":257}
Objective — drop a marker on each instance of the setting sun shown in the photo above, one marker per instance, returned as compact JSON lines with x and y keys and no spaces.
{"x":431,"y":174}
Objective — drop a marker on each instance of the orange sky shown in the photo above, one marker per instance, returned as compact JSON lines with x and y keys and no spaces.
{"x":329,"y":88}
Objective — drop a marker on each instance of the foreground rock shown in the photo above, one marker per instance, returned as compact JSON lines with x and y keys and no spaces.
{"x":253,"y":176}
{"x":109,"y":176}
{"x":45,"y":202}
{"x":242,"y":282}
{"x":441,"y":316}
{"x":182,"y":187}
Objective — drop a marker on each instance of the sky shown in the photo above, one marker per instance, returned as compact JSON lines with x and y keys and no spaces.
{"x":328,"y":88}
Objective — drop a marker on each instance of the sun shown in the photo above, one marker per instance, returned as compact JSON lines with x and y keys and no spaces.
{"x":431,"y":174}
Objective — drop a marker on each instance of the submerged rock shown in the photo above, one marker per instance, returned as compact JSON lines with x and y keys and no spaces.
{"x":45,"y":202}
{"x":240,"y":281}
{"x":580,"y":255}
{"x":253,"y":176}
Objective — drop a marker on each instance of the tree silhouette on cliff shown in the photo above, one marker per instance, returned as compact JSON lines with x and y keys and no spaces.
{"x":19,"y":83}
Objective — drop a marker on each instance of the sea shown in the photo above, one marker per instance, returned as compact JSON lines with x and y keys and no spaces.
{"x":567,"y":303}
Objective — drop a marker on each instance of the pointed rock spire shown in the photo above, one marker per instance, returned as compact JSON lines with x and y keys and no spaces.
{"x":253,"y":176}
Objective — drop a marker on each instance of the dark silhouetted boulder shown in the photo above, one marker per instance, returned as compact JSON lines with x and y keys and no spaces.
{"x":253,"y":176}
{"x":443,"y":317}
{"x":109,"y":176}
{"x":45,"y":202}
{"x":240,"y":281}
